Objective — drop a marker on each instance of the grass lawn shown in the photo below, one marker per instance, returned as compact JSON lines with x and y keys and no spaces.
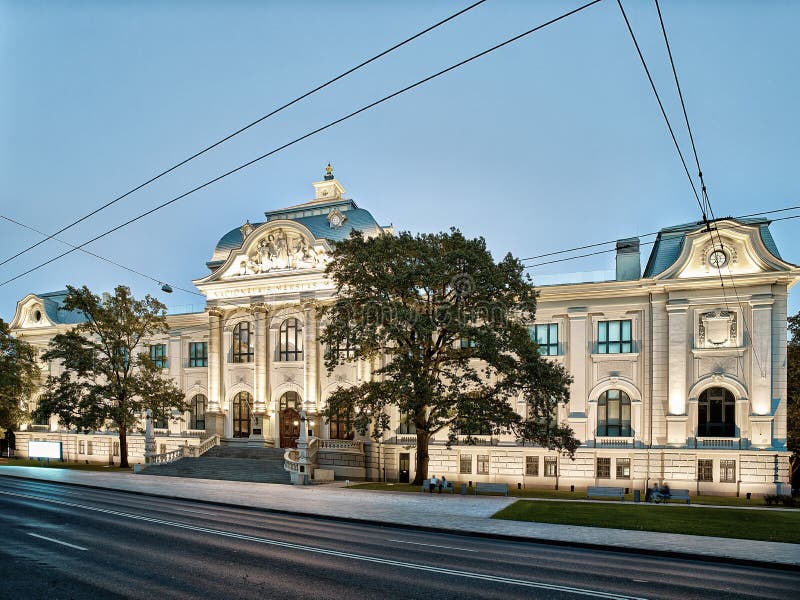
{"x":563,"y":494}
{"x":767,"y":525}
{"x":62,"y":465}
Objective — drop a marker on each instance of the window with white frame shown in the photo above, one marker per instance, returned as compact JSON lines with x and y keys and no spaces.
{"x":483,"y":464}
{"x":623,"y":468}
{"x":603,"y":467}
{"x":727,"y":471}
{"x":532,"y":466}
{"x":550,"y":466}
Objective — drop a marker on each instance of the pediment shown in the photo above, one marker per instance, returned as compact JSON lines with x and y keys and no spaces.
{"x":30,"y":314}
{"x":274,"y":248}
{"x":732,"y":248}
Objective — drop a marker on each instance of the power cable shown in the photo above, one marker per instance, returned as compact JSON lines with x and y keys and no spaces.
{"x":663,"y":111}
{"x":310,"y":134}
{"x":245,"y":128}
{"x":598,"y":252}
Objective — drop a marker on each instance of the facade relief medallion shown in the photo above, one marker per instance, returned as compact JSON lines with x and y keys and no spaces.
{"x":717,"y":329}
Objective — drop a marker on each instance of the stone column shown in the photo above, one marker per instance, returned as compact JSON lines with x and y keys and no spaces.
{"x":215,"y":417}
{"x":678,"y":327}
{"x":261,"y":316}
{"x":579,"y":359}
{"x":310,"y":371}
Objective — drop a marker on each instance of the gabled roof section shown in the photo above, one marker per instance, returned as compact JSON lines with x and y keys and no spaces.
{"x":670,"y":241}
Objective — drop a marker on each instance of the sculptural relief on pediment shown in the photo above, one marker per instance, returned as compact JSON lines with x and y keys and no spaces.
{"x":279,"y":250}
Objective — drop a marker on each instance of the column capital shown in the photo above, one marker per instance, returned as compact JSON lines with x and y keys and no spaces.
{"x":215,"y":312}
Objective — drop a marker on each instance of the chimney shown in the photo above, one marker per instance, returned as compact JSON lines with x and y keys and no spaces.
{"x":629,"y":267}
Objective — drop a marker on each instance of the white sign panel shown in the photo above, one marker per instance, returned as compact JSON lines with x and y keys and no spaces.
{"x":44,"y":450}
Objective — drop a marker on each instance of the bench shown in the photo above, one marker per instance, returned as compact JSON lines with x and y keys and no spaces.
{"x":491,"y":488}
{"x":605,"y":492}
{"x":679,"y":495}
{"x":426,"y":486}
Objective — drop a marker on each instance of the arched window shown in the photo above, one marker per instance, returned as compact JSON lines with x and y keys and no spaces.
{"x":614,"y":414}
{"x":289,"y":400}
{"x":291,"y":340}
{"x":342,"y":425}
{"x":242,"y":348}
{"x":197,"y":410}
{"x":240,"y":414}
{"x":716,"y":413}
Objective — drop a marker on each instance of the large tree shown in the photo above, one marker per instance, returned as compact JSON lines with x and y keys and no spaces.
{"x":793,"y":400}
{"x":107,"y":378}
{"x":448,"y":329}
{"x":19,"y":377}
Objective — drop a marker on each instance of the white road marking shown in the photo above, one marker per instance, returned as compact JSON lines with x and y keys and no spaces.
{"x":432,"y":545}
{"x":337,"y":553}
{"x":199,"y":512}
{"x":49,"y":539}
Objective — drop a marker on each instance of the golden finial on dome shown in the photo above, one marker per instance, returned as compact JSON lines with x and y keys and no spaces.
{"x":328,"y":172}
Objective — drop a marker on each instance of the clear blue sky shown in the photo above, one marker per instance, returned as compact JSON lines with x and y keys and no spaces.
{"x":553,"y":142}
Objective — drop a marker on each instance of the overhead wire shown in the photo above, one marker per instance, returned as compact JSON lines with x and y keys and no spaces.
{"x":310,"y":134}
{"x":245,"y":128}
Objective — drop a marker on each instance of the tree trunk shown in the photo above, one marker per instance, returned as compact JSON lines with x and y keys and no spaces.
{"x":123,"y":447}
{"x":423,"y":439}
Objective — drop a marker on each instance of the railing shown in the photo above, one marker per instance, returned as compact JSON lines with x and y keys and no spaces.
{"x":718,"y":443}
{"x":353,"y":446}
{"x":167,"y":457}
{"x":193,"y":433}
{"x":614,"y":442}
{"x":160,"y":431}
{"x":477,"y":440}
{"x":291,"y":460}
{"x":206,"y":445}
{"x":406,"y":438}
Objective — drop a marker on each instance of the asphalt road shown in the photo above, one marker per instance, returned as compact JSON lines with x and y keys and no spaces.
{"x":68,"y":542}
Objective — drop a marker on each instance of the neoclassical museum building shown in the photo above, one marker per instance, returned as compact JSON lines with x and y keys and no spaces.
{"x":677,"y":379}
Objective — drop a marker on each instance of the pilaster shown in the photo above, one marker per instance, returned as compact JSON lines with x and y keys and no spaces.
{"x":578,"y":351}
{"x":761,"y":359}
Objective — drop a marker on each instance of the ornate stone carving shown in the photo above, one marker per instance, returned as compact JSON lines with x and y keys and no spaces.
{"x":717,"y":329}
{"x":279,"y":250}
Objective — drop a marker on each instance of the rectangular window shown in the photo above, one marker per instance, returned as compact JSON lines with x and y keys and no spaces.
{"x":727,"y":470}
{"x":89,"y":447}
{"x":158,"y":354}
{"x":532,"y":466}
{"x":81,"y":447}
{"x":116,"y":449}
{"x":705,"y":470}
{"x":614,"y":337}
{"x":546,"y":336}
{"x":466,"y":343}
{"x":623,"y":468}
{"x":406,"y":424}
{"x":198,"y":354}
{"x":550,"y":466}
{"x":603,"y":468}
{"x":465,"y":464}
{"x":483,"y":464}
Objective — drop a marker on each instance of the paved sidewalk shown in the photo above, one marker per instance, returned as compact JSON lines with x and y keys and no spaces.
{"x":451,"y":513}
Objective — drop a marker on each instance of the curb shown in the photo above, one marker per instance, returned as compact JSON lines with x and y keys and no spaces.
{"x":432,"y":529}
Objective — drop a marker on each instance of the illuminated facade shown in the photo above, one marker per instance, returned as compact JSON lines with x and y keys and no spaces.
{"x":676,"y":379}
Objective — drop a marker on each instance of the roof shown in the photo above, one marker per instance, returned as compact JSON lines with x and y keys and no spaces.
{"x":669,"y":243}
{"x":54,"y":308}
{"x":314,"y":216}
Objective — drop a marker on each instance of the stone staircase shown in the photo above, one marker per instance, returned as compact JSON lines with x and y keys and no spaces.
{"x":231,"y":463}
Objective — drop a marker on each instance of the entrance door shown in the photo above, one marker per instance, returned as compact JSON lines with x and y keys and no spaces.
{"x":405,"y":464}
{"x":240,"y":413}
{"x":290,"y":428}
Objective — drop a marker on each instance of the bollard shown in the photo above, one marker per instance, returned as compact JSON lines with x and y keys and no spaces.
{"x":519,"y":486}
{"x":748,"y":495}
{"x":572,"y":488}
